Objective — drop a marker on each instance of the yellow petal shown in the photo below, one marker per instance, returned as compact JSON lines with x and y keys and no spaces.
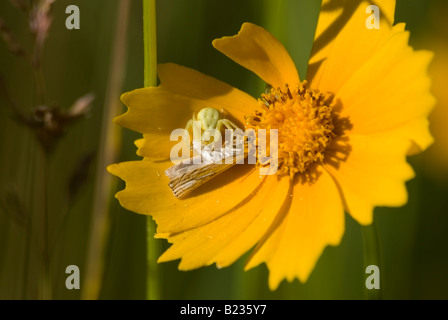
{"x":147,"y":192}
{"x":343,"y":43}
{"x":225,"y":239}
{"x":155,"y":146}
{"x":370,"y":171}
{"x":160,"y":110}
{"x":315,"y":219}
{"x":259,"y":51}
{"x":391,"y":92}
{"x":198,"y":86}
{"x":156,"y":110}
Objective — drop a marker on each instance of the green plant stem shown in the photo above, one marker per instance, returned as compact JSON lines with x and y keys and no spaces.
{"x":150,"y":42}
{"x":274,"y":18}
{"x":372,"y":256}
{"x":150,"y":80}
{"x":152,"y":273}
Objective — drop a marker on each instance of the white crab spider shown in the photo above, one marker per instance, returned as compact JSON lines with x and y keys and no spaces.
{"x":186,"y":177}
{"x":210,"y":120}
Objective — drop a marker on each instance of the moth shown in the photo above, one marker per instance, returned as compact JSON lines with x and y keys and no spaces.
{"x":211,"y":159}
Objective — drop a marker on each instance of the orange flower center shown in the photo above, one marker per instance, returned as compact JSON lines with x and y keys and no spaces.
{"x":304,"y":122}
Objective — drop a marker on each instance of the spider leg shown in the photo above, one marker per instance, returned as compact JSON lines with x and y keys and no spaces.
{"x":229,"y":125}
{"x":195,"y":133}
{"x":226,"y":123}
{"x":191,"y":122}
{"x":189,"y":125}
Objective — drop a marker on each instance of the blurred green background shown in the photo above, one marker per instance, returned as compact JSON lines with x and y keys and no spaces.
{"x":75,"y":62}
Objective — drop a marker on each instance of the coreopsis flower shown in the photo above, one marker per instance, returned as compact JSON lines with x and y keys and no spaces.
{"x":344,"y":134}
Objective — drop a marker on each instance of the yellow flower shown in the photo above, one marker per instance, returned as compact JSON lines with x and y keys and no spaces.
{"x":344,"y":135}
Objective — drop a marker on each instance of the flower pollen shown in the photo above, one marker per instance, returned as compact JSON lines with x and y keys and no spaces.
{"x":303,"y":118}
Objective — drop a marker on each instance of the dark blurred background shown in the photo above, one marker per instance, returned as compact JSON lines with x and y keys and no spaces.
{"x":76,"y":62}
